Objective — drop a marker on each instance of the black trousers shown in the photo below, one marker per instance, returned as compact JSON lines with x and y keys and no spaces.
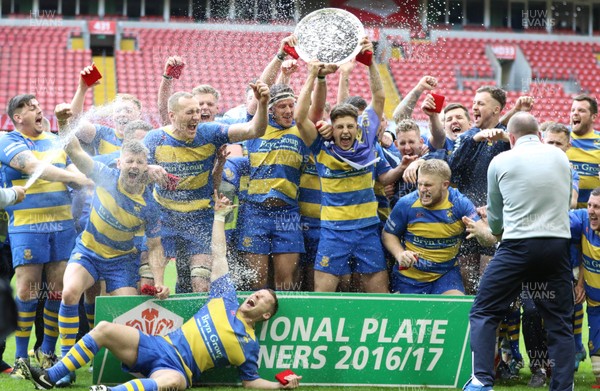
{"x":542,"y":266}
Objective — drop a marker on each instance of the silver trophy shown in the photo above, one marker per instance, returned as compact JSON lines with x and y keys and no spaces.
{"x":330,"y":35}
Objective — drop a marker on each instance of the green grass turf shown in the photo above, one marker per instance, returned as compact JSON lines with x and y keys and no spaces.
{"x":583,"y":378}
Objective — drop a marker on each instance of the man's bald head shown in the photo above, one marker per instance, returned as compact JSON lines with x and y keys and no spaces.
{"x":522,"y":124}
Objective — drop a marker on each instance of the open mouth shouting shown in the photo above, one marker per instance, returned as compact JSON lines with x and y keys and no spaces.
{"x":425,"y":198}
{"x":346,"y":141}
{"x":455,"y":128}
{"x":39,"y":120}
{"x":205,"y":117}
{"x":594,"y":221}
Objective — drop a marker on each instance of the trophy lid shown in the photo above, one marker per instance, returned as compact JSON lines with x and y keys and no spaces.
{"x":330,"y":35}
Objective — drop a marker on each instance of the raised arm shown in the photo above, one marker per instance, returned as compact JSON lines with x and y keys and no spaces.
{"x":269,"y":74}
{"x":377,"y":91}
{"x":407,"y":105}
{"x":288,"y":68}
{"x":306,"y":127}
{"x":82,"y":89}
{"x":223,"y":207}
{"x":438,"y":136}
{"x":524,"y":103}
{"x":80,"y":158}
{"x":165,"y":90}
{"x":344,"y":83}
{"x":318,"y":100}
{"x":86,"y":131}
{"x":258,"y":125}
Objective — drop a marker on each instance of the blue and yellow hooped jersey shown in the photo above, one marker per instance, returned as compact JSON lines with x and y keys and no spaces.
{"x":237,"y":172}
{"x":117,"y":216}
{"x":106,"y":140}
{"x":348,"y":200}
{"x":584,"y":155}
{"x":192,"y":161}
{"x":583,"y":234}
{"x":435,"y":233}
{"x":216,"y":336}
{"x":382,"y":166}
{"x":309,"y":195}
{"x":276,"y":161}
{"x":47,"y":207}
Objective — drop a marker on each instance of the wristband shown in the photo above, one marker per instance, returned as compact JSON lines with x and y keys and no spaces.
{"x":321,"y":77}
{"x":280,"y":56}
{"x":167,"y":77}
{"x":219,"y":217}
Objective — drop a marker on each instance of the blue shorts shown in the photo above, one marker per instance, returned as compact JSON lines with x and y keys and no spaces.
{"x":271,"y":230}
{"x":593,"y":314}
{"x":356,"y":251}
{"x":41,"y":248}
{"x":451,"y":280}
{"x":312,"y":235}
{"x":186,"y":234}
{"x":117,"y":272}
{"x":154,"y":354}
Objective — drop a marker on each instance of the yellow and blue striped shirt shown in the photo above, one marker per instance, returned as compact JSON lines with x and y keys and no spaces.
{"x":216,"y":336}
{"x":584,"y":155}
{"x":382,"y":166}
{"x":47,"y":207}
{"x":275,"y":164}
{"x":348,"y":199}
{"x":583,"y":234}
{"x":192,"y":161}
{"x":116,"y":216}
{"x":309,"y":197}
{"x":106,"y":140}
{"x":435,"y":233}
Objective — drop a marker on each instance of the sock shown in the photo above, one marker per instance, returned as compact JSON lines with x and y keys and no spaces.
{"x":25,"y":319}
{"x":79,"y":355}
{"x":513,"y":321}
{"x":137,"y":385}
{"x":502,"y":334}
{"x":577,"y":322}
{"x":68,"y":325}
{"x":50,"y":326}
{"x":90,"y":312}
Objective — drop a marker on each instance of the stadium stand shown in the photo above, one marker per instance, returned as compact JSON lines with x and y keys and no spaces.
{"x":37,"y":60}
{"x":48,"y":68}
{"x":226,"y":67}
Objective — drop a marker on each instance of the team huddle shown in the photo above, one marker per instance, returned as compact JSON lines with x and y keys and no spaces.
{"x":287,"y":193}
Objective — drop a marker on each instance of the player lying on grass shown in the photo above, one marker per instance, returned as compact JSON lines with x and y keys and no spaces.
{"x":221,"y":333}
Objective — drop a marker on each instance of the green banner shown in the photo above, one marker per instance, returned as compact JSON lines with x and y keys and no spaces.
{"x":329,"y":339}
